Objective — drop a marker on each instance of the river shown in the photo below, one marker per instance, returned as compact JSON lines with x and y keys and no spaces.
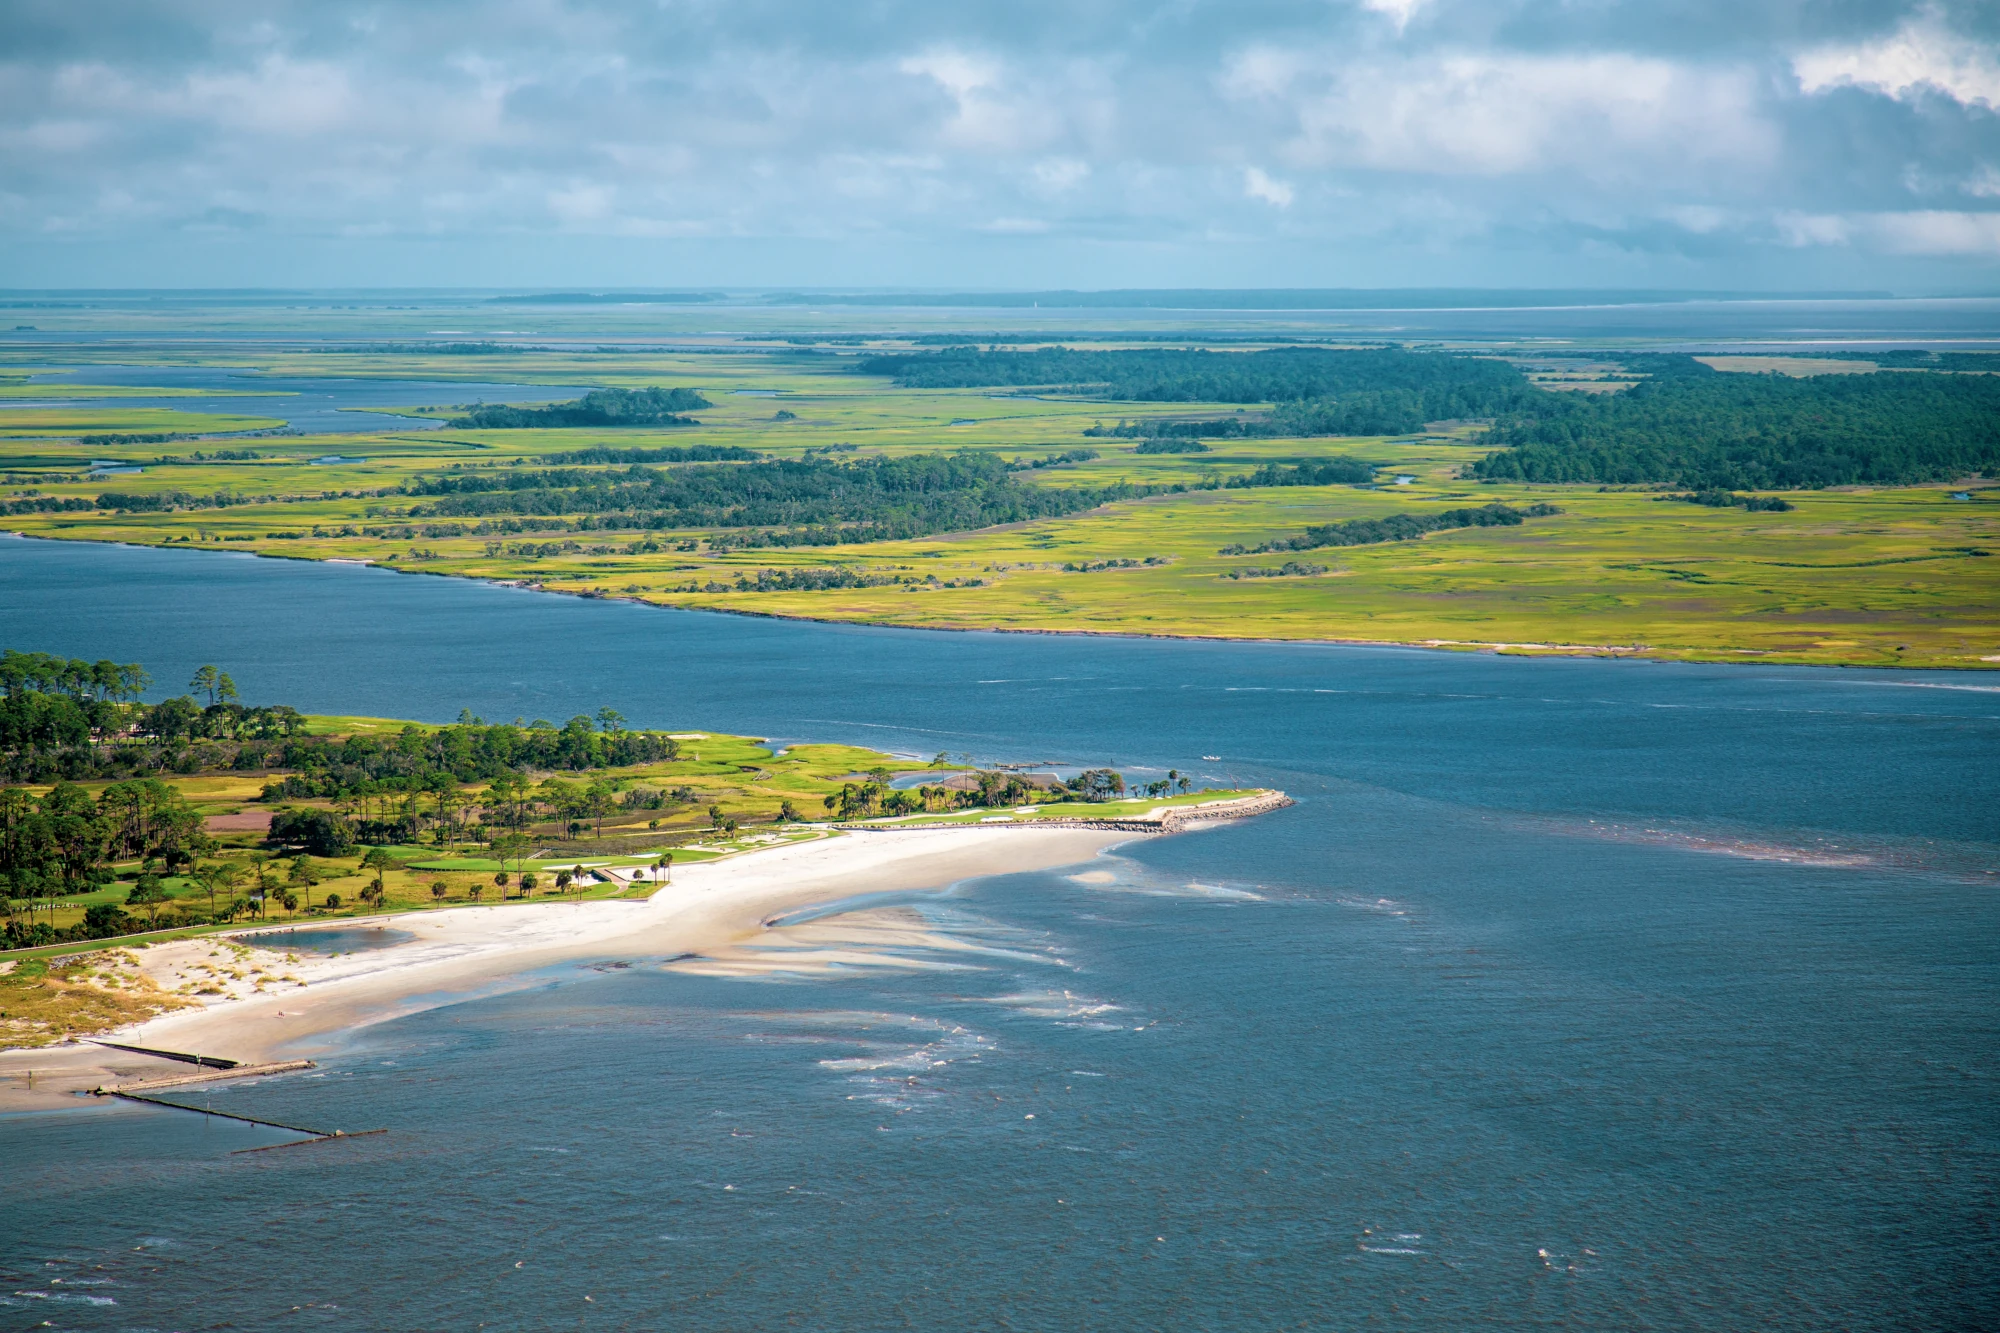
{"x":1572,"y":993}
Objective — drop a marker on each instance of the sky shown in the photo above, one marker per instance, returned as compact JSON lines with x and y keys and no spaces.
{"x":1743,"y":144}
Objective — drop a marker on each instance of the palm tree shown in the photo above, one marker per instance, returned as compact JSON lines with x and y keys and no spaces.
{"x":665,"y":865}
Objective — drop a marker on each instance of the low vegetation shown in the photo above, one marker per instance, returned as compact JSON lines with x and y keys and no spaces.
{"x":955,"y":494}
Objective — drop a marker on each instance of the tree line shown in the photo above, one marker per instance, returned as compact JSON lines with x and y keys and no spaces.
{"x":1396,"y":528}
{"x":1446,"y":384}
{"x":882,"y":497}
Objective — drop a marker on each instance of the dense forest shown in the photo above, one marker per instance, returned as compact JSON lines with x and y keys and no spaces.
{"x":1396,"y":528}
{"x":1691,"y":426}
{"x":865,"y":500}
{"x":599,"y":407}
{"x":1366,"y":388}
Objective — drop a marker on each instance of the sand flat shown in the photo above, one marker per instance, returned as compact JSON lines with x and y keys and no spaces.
{"x":463,"y":952}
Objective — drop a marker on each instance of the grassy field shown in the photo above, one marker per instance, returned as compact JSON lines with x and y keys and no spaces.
{"x":1859,"y":577}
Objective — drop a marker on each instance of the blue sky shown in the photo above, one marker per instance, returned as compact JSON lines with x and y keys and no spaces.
{"x":1701,"y":143}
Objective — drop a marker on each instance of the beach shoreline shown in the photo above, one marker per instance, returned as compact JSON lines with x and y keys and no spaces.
{"x":302,"y":1007}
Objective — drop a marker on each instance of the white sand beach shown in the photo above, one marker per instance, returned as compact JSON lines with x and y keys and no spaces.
{"x":273,"y":1004}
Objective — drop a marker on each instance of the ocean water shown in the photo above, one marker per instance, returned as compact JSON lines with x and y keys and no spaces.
{"x":1572,"y":994}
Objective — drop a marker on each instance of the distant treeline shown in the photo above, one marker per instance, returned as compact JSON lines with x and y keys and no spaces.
{"x":152,"y":502}
{"x":1692,"y":426}
{"x":1361,"y":412}
{"x":870,"y":499}
{"x":1391,"y":390}
{"x":600,"y":407}
{"x":48,"y":504}
{"x":671,"y":453}
{"x":1396,"y":528}
{"x":149,"y":437}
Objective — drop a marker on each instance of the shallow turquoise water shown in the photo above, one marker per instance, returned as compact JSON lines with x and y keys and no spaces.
{"x":1572,"y":994}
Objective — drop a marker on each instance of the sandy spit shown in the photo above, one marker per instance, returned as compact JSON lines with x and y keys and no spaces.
{"x":274,"y":1004}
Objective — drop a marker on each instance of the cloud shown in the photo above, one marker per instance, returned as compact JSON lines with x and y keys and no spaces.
{"x":1390,"y":140}
{"x":1923,"y":53}
{"x":1926,"y":232}
{"x":1936,"y":232}
{"x":1399,"y":12}
{"x":1608,"y":116}
{"x":1257,"y":185}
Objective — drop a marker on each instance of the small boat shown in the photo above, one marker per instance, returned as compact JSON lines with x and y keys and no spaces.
{"x":1212,"y":758}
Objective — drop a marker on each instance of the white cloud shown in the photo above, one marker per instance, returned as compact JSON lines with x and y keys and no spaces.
{"x":1604,"y":116}
{"x":1399,"y":12}
{"x":1804,"y":229}
{"x":1701,"y":219}
{"x":1922,"y":53}
{"x":1061,"y":173}
{"x":1939,"y":233}
{"x":1932,"y":233}
{"x":1257,"y":185}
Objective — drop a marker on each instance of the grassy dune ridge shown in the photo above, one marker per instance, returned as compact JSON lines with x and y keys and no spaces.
{"x":1851,"y":576}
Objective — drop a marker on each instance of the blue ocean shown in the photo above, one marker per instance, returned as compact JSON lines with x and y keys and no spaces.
{"x":1571,"y":994}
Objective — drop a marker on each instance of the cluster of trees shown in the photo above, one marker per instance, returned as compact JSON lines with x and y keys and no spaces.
{"x":1053,"y":460}
{"x":400,"y":811}
{"x":71,"y":677}
{"x":48,"y":504}
{"x":1396,"y":528}
{"x":59,"y":843}
{"x":1756,"y":504}
{"x":990,"y":789}
{"x":1168,"y":446}
{"x":881,"y":498}
{"x":1291,"y":569}
{"x":467,"y":751}
{"x":1689,"y":425}
{"x":68,"y":718}
{"x":154,"y":502}
{"x":600,"y":407}
{"x":812,"y":580}
{"x":1332,"y":472}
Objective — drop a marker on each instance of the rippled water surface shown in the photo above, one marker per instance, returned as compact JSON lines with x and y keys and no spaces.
{"x":1571,"y":994}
